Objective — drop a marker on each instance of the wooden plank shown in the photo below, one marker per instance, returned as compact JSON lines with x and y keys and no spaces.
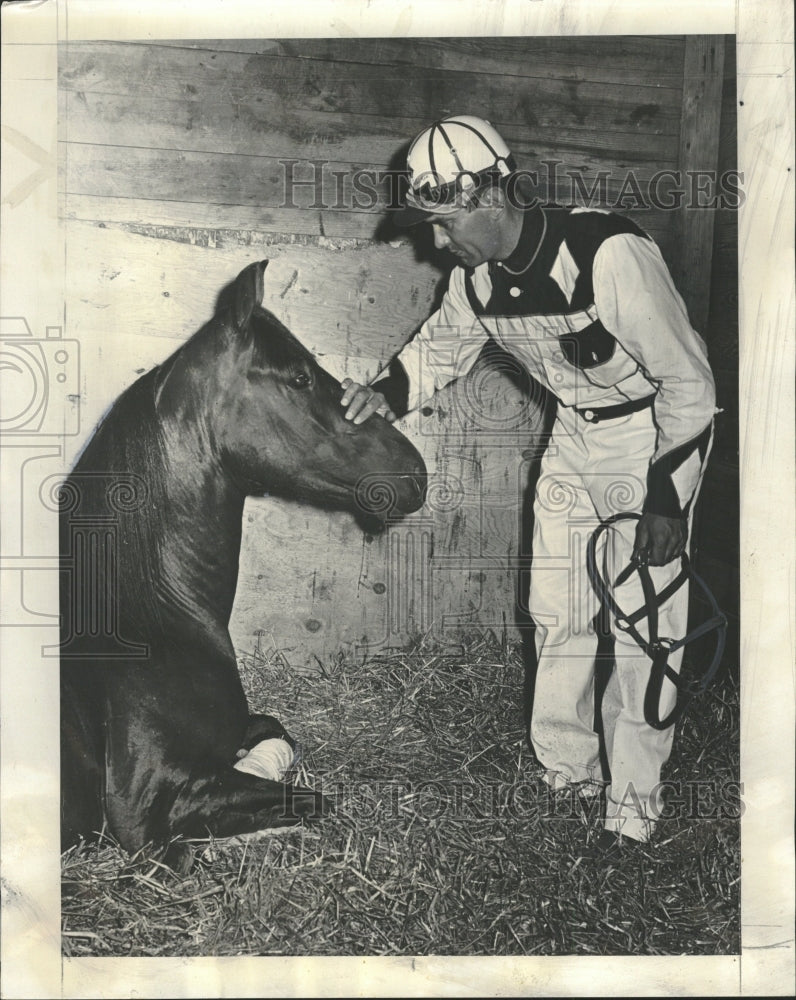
{"x":215,"y":126}
{"x":238,"y":222}
{"x":723,"y":316}
{"x":728,"y":138}
{"x":269,"y":182}
{"x":286,"y":82}
{"x":722,"y":329}
{"x":206,"y":223}
{"x":228,"y":225}
{"x":722,"y":332}
{"x":730,"y":61}
{"x":728,"y":134}
{"x":202,"y":222}
{"x":603,"y":58}
{"x":699,"y":141}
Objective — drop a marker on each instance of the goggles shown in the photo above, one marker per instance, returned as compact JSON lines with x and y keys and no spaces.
{"x":430,"y":193}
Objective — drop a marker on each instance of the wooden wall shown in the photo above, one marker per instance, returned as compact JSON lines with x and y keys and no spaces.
{"x":718,"y":537}
{"x":192,"y":133}
{"x":173,"y":178}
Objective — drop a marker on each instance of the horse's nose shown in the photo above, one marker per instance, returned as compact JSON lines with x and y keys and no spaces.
{"x":418,"y":483}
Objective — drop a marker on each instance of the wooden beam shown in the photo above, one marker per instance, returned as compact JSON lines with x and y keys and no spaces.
{"x":703,"y":74}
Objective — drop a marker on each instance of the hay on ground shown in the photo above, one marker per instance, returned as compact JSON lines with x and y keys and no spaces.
{"x":444,"y":840}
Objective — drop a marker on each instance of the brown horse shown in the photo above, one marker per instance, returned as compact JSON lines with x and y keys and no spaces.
{"x":152,"y":706}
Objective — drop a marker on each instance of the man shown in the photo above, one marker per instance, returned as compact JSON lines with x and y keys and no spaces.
{"x":585,"y":301}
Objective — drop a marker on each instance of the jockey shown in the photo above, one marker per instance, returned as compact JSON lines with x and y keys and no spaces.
{"x":583,"y":299}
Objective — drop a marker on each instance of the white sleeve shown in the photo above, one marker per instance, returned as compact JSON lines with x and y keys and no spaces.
{"x":638,"y":304}
{"x":446,"y":346}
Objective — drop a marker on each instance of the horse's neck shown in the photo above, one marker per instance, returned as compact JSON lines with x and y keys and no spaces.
{"x":201,"y":539}
{"x":176,"y":560}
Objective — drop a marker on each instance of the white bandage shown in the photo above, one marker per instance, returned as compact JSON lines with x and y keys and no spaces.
{"x":268,"y":759}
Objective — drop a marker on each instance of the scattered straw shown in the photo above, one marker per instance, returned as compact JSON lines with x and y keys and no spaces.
{"x":444,"y":840}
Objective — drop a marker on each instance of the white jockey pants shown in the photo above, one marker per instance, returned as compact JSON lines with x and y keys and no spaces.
{"x":590,"y":472}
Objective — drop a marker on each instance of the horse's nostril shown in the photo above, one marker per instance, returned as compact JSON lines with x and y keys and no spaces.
{"x":419,"y":483}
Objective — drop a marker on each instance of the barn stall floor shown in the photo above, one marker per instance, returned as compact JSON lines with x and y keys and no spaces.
{"x":444,"y":841}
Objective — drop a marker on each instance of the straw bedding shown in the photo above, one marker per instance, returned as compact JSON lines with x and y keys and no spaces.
{"x":444,"y":839}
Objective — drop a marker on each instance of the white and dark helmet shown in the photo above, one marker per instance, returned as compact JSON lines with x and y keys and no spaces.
{"x":448,"y":163}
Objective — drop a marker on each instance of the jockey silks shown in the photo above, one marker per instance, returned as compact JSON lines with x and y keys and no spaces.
{"x":586,"y":303}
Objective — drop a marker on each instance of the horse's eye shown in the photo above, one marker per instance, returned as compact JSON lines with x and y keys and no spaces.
{"x":301,"y":380}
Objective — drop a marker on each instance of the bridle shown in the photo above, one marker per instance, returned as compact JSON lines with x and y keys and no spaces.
{"x":659,"y":648}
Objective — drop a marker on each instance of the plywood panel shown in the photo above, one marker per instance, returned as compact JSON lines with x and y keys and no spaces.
{"x":133,"y":285}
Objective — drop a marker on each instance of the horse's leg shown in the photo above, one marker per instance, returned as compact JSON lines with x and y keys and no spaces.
{"x":224,"y":804}
{"x":265,"y":727}
{"x":202,"y":810}
{"x":170,"y":765}
{"x":155,"y":798}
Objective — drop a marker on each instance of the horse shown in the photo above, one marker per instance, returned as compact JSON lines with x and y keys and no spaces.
{"x":153,"y":712}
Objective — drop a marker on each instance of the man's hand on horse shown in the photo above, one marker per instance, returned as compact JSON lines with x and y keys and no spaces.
{"x":659,"y":540}
{"x":362,"y":402}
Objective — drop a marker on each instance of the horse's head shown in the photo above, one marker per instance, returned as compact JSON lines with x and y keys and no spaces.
{"x":277,"y":426}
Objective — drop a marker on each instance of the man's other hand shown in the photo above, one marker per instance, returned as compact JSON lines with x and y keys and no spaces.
{"x":659,"y":539}
{"x":362,"y":401}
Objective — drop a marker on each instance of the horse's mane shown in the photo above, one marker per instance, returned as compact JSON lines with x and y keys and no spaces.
{"x":122,"y":473}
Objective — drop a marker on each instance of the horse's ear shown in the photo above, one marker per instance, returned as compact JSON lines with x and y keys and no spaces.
{"x":249,"y":287}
